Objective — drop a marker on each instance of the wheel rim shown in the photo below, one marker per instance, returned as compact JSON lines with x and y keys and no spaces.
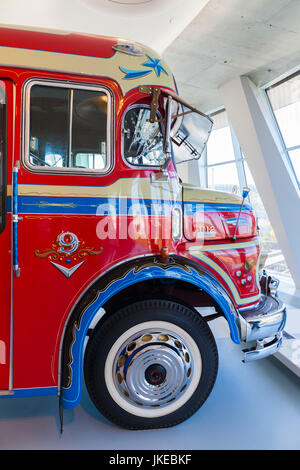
{"x":150,"y":371}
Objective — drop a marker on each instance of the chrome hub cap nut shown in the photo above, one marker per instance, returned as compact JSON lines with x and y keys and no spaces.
{"x":155,"y":374}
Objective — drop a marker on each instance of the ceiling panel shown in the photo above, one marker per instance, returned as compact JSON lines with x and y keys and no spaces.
{"x":205,"y":42}
{"x":234,"y":37}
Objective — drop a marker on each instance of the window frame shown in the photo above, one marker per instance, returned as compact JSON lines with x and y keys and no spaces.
{"x":131,"y":165}
{"x":264,"y":89}
{"x":237,"y":153}
{"x":26,"y":127}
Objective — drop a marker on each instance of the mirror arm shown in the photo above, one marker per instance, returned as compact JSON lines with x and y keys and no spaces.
{"x":155,"y":92}
{"x":162,"y":175}
{"x":167,"y":136}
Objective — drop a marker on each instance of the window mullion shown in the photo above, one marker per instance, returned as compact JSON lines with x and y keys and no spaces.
{"x":238,"y":159}
{"x":203,"y":169}
{"x":71,"y":101}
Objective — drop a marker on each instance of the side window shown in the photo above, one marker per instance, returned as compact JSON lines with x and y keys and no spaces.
{"x":68,"y":128}
{"x":2,"y":156}
{"x":143,"y":140}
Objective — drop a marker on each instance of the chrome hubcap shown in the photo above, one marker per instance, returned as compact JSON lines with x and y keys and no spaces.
{"x":153,"y":368}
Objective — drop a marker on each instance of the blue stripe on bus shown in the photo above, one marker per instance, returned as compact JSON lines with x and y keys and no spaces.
{"x":118,"y":206}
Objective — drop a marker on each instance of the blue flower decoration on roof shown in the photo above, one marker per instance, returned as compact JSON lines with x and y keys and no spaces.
{"x":154,"y":64}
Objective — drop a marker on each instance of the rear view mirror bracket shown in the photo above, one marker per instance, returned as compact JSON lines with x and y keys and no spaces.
{"x":155,"y":92}
{"x":162,"y":175}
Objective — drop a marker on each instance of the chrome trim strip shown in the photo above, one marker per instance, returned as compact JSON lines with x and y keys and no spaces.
{"x":176,"y":216}
{"x":70,"y":125}
{"x":6,"y":392}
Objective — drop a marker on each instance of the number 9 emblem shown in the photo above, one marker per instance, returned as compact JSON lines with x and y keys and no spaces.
{"x":68,"y":243}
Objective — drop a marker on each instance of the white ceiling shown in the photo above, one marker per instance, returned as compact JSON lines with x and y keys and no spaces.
{"x":155,"y":23}
{"x":205,"y":42}
{"x":258,"y":38}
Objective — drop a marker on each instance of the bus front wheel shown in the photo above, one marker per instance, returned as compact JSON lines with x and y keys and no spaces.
{"x":152,"y":364}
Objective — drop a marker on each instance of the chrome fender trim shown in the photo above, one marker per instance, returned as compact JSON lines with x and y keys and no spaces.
{"x":267,"y":318}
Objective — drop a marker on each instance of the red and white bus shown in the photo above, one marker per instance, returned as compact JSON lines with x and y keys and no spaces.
{"x":107,"y":258}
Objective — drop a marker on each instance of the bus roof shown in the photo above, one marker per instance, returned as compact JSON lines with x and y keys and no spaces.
{"x":129,"y":63}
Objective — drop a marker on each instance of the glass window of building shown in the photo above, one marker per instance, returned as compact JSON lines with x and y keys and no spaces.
{"x":284,"y":98}
{"x":271,"y":255}
{"x":227,"y":170}
{"x":222,"y":170}
{"x":219,"y":145}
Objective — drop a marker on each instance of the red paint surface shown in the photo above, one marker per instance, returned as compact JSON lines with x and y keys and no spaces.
{"x":71,"y":43}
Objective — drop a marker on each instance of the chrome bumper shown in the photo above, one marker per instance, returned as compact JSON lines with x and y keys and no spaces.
{"x":262,"y":324}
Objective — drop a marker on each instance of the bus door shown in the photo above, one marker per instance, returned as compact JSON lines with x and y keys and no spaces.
{"x":6,"y":158}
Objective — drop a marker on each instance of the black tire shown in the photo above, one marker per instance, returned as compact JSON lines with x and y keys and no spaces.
{"x":181,"y":346}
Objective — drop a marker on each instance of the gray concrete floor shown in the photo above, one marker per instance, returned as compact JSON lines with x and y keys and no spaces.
{"x":252,"y":406}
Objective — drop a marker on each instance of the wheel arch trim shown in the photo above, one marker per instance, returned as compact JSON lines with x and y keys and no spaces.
{"x":113,"y":283}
